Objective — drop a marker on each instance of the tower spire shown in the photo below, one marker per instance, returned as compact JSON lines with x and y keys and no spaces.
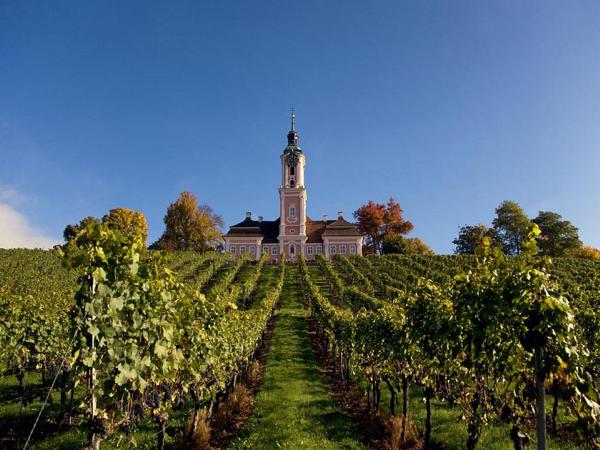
{"x":293,"y":134}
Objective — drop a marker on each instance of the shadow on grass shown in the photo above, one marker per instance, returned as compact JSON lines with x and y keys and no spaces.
{"x":17,"y":424}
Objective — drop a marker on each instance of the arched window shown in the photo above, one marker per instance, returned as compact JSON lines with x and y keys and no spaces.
{"x":292,"y":182}
{"x":292,"y":170}
{"x":292,"y":249}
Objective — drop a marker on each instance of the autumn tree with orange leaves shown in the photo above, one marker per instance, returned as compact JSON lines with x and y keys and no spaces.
{"x":376,"y":221}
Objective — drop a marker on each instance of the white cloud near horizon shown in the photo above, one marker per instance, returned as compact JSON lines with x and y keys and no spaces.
{"x":15,"y":229}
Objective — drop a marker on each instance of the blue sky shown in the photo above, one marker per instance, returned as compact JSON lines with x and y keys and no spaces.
{"x":450,"y":107}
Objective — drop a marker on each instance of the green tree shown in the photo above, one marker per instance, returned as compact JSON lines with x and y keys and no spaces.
{"x":127,"y":221}
{"x":190,"y":226}
{"x":559,"y":237}
{"x":71,"y":230}
{"x":512,"y":226}
{"x":405,"y":246}
{"x":470,"y":237}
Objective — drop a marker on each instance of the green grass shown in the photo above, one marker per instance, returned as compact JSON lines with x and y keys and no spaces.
{"x":293,"y":408}
{"x":267,"y":279}
{"x":17,"y":421}
{"x":317,"y":276}
{"x":449,"y":432}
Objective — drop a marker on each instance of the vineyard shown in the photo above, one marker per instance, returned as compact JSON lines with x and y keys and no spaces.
{"x":107,"y":345}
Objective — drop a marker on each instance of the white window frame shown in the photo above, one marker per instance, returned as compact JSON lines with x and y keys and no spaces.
{"x":252,"y":249}
{"x":319,"y":250}
{"x":242,"y":249}
{"x":332,"y":249}
{"x":343,"y":249}
{"x":265,"y":249}
{"x":310,"y":250}
{"x":274,"y":250}
{"x":292,"y":211}
{"x":353,"y":249}
{"x":232,"y":248}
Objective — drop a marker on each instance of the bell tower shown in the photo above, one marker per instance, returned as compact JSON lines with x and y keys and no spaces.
{"x":292,"y":196}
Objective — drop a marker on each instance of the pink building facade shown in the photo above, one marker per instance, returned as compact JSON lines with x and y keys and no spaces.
{"x":293,"y":233}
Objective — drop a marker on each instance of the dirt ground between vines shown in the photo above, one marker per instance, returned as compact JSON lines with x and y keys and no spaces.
{"x":376,"y":426}
{"x":229,"y":419}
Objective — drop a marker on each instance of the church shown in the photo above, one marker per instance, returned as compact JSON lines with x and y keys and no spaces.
{"x":293,"y":233}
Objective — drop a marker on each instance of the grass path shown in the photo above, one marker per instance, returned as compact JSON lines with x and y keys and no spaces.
{"x":293,"y":409}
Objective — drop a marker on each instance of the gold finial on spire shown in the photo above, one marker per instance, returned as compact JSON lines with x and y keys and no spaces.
{"x":293,"y":111}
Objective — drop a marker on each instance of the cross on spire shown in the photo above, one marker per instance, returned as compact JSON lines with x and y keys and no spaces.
{"x":292,"y":136}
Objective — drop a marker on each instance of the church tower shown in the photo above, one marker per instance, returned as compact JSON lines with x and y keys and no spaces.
{"x":293,"y":233}
{"x":292,"y":197}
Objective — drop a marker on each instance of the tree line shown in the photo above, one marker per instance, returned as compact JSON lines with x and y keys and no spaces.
{"x":188,"y":225}
{"x":510,"y":227}
{"x":193,"y":226}
{"x":384,"y":228}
